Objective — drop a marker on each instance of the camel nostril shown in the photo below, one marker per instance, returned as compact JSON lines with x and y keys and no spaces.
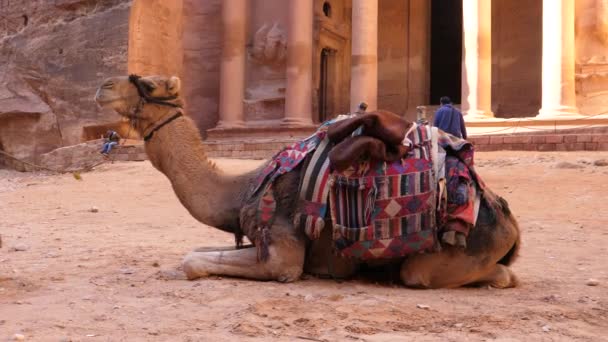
{"x":108,"y":85}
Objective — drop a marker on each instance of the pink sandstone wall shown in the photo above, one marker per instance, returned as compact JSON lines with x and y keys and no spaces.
{"x":202,"y":44}
{"x":516,"y":57}
{"x":592,"y":56}
{"x":53,"y":56}
{"x":393,"y":54}
{"x":155,"y":37}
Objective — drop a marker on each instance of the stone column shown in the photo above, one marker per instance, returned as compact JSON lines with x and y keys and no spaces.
{"x":232,"y":69}
{"x":477,"y":59}
{"x":298,"y":95}
{"x":558,"y":98}
{"x":364,"y":62}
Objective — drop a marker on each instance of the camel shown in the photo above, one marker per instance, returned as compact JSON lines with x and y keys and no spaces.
{"x":174,"y":146}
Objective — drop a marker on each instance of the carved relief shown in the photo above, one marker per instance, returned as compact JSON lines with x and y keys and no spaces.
{"x":601,"y":20}
{"x":269,"y":45}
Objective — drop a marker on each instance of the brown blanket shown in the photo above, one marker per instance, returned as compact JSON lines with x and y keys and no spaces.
{"x":383,"y":133}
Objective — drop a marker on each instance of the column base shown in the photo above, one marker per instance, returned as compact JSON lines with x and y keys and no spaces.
{"x":477,"y":115}
{"x":296,"y":122}
{"x":563,"y":112}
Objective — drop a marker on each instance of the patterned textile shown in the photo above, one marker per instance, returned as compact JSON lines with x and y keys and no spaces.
{"x":464,"y":151}
{"x":378,"y":209}
{"x":463,"y":183}
{"x":284,"y":161}
{"x":382,"y":210}
{"x":314,"y":188}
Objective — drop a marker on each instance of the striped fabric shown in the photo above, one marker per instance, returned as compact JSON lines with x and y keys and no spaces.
{"x":382,"y":210}
{"x":314,"y":188}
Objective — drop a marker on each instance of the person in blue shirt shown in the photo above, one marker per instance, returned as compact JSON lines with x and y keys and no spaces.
{"x":449,"y":119}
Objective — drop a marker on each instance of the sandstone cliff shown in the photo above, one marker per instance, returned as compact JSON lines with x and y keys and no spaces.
{"x":53,"y":55}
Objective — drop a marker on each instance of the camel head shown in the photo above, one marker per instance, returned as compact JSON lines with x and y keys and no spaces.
{"x":128,"y":95}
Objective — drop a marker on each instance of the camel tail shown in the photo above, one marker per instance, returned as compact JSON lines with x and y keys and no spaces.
{"x":512,"y":254}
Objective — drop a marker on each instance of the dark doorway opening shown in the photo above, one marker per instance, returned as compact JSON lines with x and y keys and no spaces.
{"x":324,"y":110}
{"x":446,"y":50}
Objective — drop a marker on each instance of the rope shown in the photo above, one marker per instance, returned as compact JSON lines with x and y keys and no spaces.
{"x":75,"y":172}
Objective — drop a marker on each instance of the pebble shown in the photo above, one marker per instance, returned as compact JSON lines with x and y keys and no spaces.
{"x":567,"y":165}
{"x":458,"y":325}
{"x":18,"y":337}
{"x":20,"y":248}
{"x":94,"y":209}
{"x":601,"y":162}
{"x":546,"y":328}
{"x":423,"y":306}
{"x":592,"y":282}
{"x":309,"y":297}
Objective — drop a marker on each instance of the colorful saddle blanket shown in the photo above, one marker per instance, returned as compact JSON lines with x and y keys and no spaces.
{"x":378,"y":209}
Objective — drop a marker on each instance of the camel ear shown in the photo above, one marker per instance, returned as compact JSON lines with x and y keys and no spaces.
{"x":148,"y":84}
{"x":174,"y":84}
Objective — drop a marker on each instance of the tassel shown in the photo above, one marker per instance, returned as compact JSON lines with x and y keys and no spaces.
{"x":370,"y":202}
{"x":262,"y":241}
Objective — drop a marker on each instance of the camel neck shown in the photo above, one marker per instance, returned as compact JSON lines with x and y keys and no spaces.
{"x":210,"y":196}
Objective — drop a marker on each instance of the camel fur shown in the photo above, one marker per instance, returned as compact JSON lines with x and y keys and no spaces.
{"x":217,"y":199}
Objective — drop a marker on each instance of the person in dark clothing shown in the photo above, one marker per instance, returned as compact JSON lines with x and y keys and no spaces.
{"x":449,"y":119}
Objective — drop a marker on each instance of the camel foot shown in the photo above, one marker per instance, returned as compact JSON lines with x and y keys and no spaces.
{"x":501,"y":277}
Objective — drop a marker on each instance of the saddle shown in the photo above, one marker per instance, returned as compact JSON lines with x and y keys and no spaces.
{"x":382,"y":139}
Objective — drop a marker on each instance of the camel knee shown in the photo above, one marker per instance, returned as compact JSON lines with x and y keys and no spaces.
{"x":194,"y":266}
{"x":415,"y":273}
{"x":415,"y":280}
{"x":286,"y":262}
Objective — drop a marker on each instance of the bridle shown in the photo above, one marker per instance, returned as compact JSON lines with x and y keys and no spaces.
{"x":144,"y":98}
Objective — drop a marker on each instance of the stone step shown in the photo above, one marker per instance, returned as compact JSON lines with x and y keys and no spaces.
{"x":266,"y":148}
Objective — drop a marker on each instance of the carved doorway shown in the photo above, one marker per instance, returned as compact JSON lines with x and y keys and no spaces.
{"x":446,"y":50}
{"x":326,"y":83}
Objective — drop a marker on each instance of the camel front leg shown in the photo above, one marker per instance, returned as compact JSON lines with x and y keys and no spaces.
{"x":284,"y":264}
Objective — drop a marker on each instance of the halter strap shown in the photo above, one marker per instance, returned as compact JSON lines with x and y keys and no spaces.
{"x":173,"y":117}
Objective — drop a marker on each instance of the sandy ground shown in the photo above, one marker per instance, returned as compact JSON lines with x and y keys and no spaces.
{"x":68,"y":274}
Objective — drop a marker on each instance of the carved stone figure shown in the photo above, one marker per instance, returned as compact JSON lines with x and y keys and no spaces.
{"x":269,"y":45}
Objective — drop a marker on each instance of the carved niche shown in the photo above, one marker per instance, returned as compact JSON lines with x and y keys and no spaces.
{"x":269,"y":45}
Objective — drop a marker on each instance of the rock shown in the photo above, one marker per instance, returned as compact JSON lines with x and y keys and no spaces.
{"x":601,"y":162}
{"x":546,"y":328}
{"x":18,"y":337}
{"x":20,"y":248}
{"x":423,"y":306}
{"x":592,"y":282}
{"x":48,"y":73}
{"x":309,"y":297}
{"x":458,"y":325}
{"x":568,"y":165}
{"x":94,"y":209}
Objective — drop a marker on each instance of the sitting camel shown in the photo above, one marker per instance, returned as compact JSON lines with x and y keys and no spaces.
{"x":174,"y":146}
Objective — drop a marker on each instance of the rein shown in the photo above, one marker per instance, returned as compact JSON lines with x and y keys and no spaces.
{"x":144,"y":98}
